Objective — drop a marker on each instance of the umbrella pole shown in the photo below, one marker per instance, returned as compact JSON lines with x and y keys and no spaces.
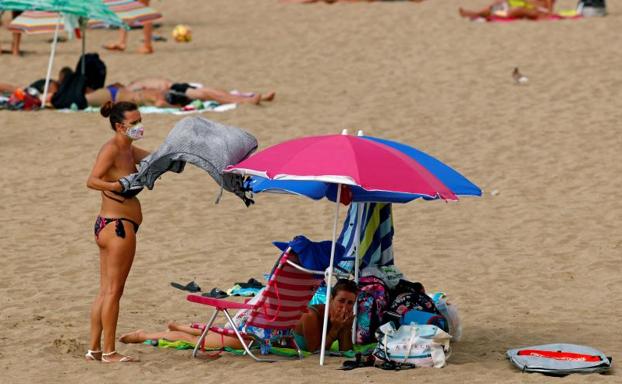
{"x":51,"y":62}
{"x":357,"y":239}
{"x":329,"y":277}
{"x":83,"y":30}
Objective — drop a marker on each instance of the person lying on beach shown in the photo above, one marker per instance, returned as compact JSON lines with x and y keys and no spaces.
{"x":39,"y":85}
{"x":162,"y":92}
{"x":513,"y":9}
{"x":308,"y":331}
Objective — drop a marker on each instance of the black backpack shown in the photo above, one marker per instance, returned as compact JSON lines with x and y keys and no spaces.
{"x":94,"y":70}
{"x":72,"y":89}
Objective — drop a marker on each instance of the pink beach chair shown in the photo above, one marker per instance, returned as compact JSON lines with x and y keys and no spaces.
{"x":272,"y":315}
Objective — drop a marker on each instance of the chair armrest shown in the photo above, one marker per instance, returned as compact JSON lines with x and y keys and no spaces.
{"x":218,"y":303}
{"x":300,"y":268}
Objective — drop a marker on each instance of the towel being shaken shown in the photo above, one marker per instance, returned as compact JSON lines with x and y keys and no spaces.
{"x":206,"y":144}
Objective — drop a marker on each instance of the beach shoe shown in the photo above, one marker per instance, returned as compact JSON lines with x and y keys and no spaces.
{"x":125,"y":359}
{"x":216,"y":293}
{"x":190,"y":287}
{"x":93,"y":355}
{"x":251,"y":283}
{"x":358,"y":363}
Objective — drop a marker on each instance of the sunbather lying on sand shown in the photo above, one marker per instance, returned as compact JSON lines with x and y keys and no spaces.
{"x":308,"y":332}
{"x":162,"y":92}
{"x":515,"y":9}
{"x":38,"y":85}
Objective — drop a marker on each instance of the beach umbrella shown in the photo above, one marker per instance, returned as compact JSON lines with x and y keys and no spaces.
{"x":129,"y":11}
{"x":348,"y":162}
{"x":317,"y":190}
{"x":76,"y":12}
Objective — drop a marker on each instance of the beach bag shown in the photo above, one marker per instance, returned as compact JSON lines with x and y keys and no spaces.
{"x":559,"y":359}
{"x":94,"y":70}
{"x":412,"y":345}
{"x":372,"y":302}
{"x":410,"y":302}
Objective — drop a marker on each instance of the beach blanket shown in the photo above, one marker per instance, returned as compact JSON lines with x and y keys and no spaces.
{"x":208,"y":106}
{"x":365,"y":349}
{"x":569,"y":14}
{"x":207,"y":144}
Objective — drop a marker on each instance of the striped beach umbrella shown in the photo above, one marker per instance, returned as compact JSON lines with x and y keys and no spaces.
{"x":129,"y":11}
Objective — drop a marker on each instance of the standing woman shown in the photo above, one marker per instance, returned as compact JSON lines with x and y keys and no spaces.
{"x":116,"y":226}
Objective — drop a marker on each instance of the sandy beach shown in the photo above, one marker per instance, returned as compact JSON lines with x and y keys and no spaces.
{"x":537,"y":259}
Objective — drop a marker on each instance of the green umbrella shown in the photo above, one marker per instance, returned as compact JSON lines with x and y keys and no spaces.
{"x":80,"y":9}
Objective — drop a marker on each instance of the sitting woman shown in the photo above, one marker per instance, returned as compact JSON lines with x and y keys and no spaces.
{"x":308,"y":331}
{"x":512,"y":9}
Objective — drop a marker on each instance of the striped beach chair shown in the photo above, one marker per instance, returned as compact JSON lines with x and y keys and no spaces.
{"x":272,"y":315}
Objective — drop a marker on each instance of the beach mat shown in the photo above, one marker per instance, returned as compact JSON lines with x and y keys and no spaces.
{"x":569,"y":14}
{"x":208,"y":106}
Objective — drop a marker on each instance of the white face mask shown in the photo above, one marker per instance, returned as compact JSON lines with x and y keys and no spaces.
{"x":135,"y":132}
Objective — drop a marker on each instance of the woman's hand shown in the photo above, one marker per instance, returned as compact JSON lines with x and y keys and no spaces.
{"x":341,"y":320}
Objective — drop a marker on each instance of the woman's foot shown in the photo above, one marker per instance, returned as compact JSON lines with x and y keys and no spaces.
{"x":145,"y":50}
{"x":133,"y":337}
{"x":93,"y":355}
{"x":115,"y":47}
{"x":268,"y":96}
{"x":116,"y":357}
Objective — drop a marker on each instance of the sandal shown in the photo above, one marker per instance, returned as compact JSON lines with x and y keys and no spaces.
{"x":216,"y":293}
{"x":124,"y":359}
{"x":90,"y":355}
{"x":190,"y":287}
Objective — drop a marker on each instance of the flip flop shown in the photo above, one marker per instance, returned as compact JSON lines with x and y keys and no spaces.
{"x":216,"y":293}
{"x":190,"y":287}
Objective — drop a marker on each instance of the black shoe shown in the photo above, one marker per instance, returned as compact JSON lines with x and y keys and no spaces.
{"x":216,"y":293}
{"x":190,"y":287}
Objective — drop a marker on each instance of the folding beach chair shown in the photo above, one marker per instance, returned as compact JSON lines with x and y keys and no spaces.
{"x":273,"y":314}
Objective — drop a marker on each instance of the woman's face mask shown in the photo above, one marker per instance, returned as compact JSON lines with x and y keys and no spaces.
{"x":136,"y":131}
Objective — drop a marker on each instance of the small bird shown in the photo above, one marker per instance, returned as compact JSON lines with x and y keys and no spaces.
{"x":518,"y":77}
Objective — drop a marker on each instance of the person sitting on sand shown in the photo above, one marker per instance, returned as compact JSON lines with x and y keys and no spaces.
{"x":513,"y":9}
{"x":162,"y":92}
{"x":308,"y":331}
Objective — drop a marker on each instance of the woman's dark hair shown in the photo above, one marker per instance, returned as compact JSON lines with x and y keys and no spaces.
{"x":64,"y":74}
{"x":344,"y":285}
{"x":116,"y":111}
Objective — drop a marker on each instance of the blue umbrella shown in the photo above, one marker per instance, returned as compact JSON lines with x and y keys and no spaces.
{"x":317,"y":190}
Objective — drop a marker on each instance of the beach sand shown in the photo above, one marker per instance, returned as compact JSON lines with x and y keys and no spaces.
{"x":536,"y":260}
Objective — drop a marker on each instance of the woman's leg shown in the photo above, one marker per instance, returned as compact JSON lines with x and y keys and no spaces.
{"x":17,"y":38}
{"x":212,"y":340}
{"x":221,"y":96}
{"x":96,"y":307}
{"x":119,"y":258}
{"x":8,"y":88}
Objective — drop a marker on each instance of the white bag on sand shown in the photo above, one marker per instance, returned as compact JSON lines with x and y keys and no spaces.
{"x":418,"y":345}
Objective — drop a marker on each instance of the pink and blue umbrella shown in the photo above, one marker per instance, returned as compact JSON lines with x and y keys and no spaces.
{"x":363,"y":167}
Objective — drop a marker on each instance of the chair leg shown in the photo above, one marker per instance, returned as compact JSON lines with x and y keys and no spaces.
{"x":204,"y":333}
{"x":246,"y":347}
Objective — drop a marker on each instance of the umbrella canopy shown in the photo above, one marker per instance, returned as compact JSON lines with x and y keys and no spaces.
{"x":345,"y":160}
{"x":89,"y":9}
{"x":457,"y":183}
{"x":129,"y":11}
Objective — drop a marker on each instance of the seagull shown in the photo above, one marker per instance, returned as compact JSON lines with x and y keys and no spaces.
{"x":518,"y":77}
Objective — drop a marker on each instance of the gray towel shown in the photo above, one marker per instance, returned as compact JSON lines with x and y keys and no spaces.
{"x":209,"y":145}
